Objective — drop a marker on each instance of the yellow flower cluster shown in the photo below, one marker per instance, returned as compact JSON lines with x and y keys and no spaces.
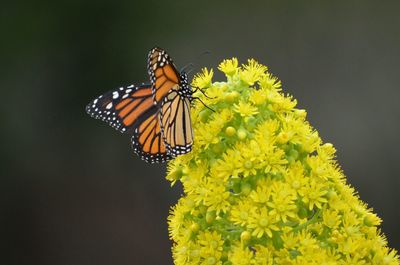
{"x":260,"y":187}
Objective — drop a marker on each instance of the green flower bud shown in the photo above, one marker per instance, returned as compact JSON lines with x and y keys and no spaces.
{"x":242,"y":134}
{"x":210,"y":217}
{"x":245,"y":236}
{"x":230,"y":131}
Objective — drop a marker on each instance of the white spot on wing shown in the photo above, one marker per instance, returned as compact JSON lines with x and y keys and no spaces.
{"x":109,"y":105}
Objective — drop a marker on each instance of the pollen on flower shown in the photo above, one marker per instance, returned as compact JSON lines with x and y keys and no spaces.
{"x":261,"y":187}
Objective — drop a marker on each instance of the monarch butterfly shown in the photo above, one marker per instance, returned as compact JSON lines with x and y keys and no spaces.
{"x":156,"y":114}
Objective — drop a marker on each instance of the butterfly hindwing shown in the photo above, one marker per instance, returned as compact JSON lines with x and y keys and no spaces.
{"x":147,"y":140}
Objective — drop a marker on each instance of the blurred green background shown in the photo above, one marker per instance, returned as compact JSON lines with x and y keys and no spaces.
{"x":72,"y":190}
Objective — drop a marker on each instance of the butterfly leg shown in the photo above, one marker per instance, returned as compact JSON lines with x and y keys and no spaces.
{"x":203,"y":103}
{"x":199,"y":89}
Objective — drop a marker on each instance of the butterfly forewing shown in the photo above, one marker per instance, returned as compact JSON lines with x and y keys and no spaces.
{"x":163,"y":73}
{"x":121,"y":108}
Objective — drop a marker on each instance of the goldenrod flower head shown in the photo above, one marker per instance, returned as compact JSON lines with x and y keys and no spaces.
{"x":260,"y":186}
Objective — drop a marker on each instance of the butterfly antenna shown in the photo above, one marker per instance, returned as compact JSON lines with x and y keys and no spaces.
{"x":193,"y":65}
{"x":187,"y":66}
{"x":203,"y":53}
{"x":190,"y":70}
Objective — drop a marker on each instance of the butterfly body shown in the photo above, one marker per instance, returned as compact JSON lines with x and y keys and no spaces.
{"x":156,"y":114}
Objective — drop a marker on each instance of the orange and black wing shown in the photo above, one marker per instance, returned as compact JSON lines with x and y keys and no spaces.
{"x":176,"y":123}
{"x":123,"y":107}
{"x":132,"y":110}
{"x":147,"y":140}
{"x":163,"y":73}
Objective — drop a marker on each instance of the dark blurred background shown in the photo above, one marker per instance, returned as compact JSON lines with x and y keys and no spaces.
{"x":72,"y":190}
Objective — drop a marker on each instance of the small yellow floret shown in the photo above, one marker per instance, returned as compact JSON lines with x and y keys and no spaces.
{"x":229,"y":66}
{"x":203,"y":79}
{"x":245,"y":109}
